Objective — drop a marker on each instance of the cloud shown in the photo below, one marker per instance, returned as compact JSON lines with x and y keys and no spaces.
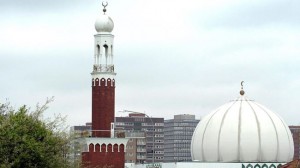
{"x":250,"y":14}
{"x":33,"y":6}
{"x":171,"y":56}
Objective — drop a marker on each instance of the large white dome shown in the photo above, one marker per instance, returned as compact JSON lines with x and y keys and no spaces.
{"x":242,"y":131}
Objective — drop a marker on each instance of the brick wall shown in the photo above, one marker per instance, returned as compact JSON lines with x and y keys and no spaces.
{"x":103,"y":106}
{"x":296,"y":138}
{"x":104,"y":156}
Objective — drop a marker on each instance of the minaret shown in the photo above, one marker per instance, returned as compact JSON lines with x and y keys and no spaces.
{"x":102,"y":149}
{"x":103,"y":77}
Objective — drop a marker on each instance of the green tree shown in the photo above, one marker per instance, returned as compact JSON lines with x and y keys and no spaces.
{"x":27,"y":140}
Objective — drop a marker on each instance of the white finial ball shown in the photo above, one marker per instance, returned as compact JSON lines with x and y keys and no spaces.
{"x":104,"y":24}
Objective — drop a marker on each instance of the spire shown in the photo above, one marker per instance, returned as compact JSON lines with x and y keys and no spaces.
{"x":104,"y":6}
{"x":242,"y":92}
{"x":104,"y":24}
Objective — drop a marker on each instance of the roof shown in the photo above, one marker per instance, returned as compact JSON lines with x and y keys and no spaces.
{"x":242,"y":131}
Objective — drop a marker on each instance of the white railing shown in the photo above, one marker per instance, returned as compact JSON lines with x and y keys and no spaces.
{"x":103,"y":68}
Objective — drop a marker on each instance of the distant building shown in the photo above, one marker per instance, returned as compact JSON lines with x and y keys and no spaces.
{"x":296,"y":137}
{"x":78,"y":132}
{"x":81,"y":130}
{"x":136,"y":147}
{"x":153,"y":135}
{"x":178,"y":134}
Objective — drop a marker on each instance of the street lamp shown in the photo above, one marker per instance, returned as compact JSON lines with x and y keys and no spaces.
{"x":153,"y":137}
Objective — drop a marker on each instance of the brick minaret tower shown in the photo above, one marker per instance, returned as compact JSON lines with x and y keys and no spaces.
{"x":103,"y":77}
{"x":102,"y":149}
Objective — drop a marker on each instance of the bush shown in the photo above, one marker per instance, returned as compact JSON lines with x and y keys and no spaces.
{"x":27,"y":140}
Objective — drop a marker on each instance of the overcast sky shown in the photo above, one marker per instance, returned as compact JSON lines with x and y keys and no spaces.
{"x":171,"y":56}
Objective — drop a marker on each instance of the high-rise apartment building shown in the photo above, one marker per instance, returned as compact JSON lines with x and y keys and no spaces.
{"x":150,"y":148}
{"x":136,"y":147}
{"x":296,"y":137}
{"x":178,"y":134}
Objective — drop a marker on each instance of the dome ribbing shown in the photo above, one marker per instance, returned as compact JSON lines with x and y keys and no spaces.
{"x":242,"y":131}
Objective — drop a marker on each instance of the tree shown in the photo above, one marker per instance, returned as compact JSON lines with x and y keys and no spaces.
{"x":27,"y":140}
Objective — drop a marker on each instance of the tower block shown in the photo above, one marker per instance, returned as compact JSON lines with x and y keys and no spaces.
{"x":103,"y":78}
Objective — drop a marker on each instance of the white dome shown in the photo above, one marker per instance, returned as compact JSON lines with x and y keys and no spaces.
{"x":242,"y":131}
{"x":104,"y":24}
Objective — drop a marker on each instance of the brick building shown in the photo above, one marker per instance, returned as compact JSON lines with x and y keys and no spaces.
{"x":296,"y":137}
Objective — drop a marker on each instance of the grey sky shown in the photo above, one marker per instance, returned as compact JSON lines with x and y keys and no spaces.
{"x":171,"y":56}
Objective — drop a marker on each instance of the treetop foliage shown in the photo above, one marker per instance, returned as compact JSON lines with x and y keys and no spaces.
{"x":27,"y":140}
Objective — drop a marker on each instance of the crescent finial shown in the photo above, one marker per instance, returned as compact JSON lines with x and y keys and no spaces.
{"x":242,"y":92}
{"x":104,"y":6}
{"x":242,"y":84}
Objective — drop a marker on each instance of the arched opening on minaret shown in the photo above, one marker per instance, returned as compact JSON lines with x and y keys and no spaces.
{"x":112,"y":54}
{"x":105,"y":53}
{"x":97,"y":54}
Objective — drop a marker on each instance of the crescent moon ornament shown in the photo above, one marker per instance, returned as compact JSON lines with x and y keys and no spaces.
{"x":242,"y":92}
{"x":242,"y":84}
{"x":104,"y":5}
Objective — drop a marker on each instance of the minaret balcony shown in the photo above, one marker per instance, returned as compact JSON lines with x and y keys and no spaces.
{"x":103,"y":68}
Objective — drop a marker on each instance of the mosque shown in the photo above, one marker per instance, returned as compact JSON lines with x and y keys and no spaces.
{"x":239,"y":134}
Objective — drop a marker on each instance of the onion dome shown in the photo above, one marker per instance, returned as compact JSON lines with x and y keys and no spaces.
{"x":104,"y":24}
{"x":242,"y":131}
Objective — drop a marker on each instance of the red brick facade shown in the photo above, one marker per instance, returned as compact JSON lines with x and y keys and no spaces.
{"x":295,"y":130}
{"x":103,"y":106}
{"x":109,"y":156}
{"x":101,"y":150}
